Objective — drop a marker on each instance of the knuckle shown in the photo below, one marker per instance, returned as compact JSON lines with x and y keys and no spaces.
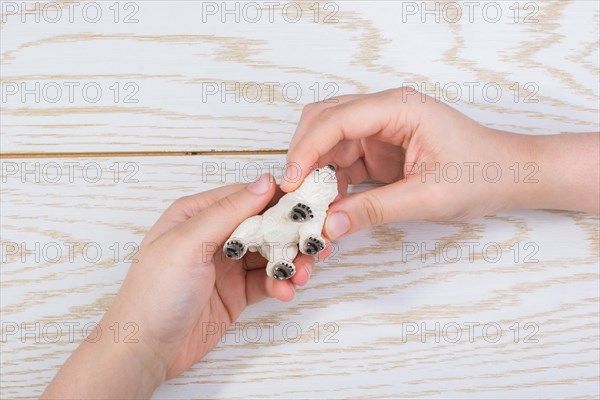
{"x":309,"y":108}
{"x":327,"y":115}
{"x":407,"y":90}
{"x":182,"y":202}
{"x":227,"y":204}
{"x":191,"y":204}
{"x":202,"y":202}
{"x":407,"y":94}
{"x":373,"y":209}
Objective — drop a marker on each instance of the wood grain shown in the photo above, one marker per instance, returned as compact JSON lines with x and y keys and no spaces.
{"x":542,"y":56}
{"x":101,"y":172}
{"x":365,"y":299}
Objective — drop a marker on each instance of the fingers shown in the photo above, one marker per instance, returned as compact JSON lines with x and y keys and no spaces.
{"x":355,"y":119}
{"x":343,"y":154}
{"x":259,"y":286}
{"x":311,"y":110}
{"x":304,"y":267}
{"x":186,"y":207}
{"x":393,"y":202}
{"x":327,"y":251}
{"x":215,"y":223}
{"x":356,"y":173}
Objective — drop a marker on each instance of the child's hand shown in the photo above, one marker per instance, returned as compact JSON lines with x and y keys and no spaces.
{"x":438,"y":163}
{"x":182,"y":294}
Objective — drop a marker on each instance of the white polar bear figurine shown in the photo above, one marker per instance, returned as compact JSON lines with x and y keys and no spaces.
{"x":296,"y":221}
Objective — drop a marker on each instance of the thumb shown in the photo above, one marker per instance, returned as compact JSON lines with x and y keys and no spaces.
{"x":393,"y":202}
{"x":215,"y":223}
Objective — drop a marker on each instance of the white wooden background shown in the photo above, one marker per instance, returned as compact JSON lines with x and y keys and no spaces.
{"x":373,"y":290}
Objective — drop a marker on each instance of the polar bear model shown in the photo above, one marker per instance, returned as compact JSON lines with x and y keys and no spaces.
{"x":295,"y":222}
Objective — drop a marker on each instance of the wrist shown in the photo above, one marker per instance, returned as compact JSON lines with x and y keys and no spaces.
{"x":509,"y":178}
{"x":526,"y":185}
{"x":558,"y":171}
{"x":127,"y":341}
{"x":109,"y":364}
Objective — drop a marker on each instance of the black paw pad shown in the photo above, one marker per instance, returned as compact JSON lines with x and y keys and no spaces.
{"x":300,"y":213}
{"x":234,"y":249}
{"x":283,"y":270}
{"x":313,"y":246}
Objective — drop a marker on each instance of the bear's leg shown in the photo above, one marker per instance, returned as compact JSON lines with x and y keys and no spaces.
{"x":311,"y":241}
{"x":301,"y":213}
{"x":281,"y":266}
{"x":247,"y":235}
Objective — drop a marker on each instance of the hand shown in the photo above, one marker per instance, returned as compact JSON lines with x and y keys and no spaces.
{"x":438,"y":164}
{"x":180,"y":285}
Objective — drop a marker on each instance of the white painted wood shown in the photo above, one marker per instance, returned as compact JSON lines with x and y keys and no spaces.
{"x":376,"y":289}
{"x":373,"y":293}
{"x":177,"y":52}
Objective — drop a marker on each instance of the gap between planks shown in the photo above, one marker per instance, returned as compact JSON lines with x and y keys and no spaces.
{"x":117,"y":154}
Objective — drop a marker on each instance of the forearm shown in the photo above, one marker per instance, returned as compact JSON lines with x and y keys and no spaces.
{"x":567,"y":176}
{"x":107,"y":366}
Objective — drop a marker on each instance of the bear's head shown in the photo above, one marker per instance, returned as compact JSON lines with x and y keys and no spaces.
{"x":320,"y":186}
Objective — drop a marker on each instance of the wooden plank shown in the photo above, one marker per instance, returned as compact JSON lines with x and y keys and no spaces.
{"x":161,"y":67}
{"x":365,"y":301}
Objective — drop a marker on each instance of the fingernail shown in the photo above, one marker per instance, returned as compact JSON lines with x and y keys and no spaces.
{"x":262,"y":185}
{"x":337,"y":224}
